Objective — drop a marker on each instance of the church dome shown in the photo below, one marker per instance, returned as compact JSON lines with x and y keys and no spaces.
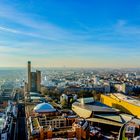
{"x":44,"y":108}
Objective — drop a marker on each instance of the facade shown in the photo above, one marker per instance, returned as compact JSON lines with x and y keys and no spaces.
{"x":7,"y":93}
{"x":34,"y":79}
{"x":44,"y":128}
{"x":38,"y":80}
{"x":7,"y":118}
{"x":46,"y":122}
{"x":29,"y":75}
{"x":131,"y":75}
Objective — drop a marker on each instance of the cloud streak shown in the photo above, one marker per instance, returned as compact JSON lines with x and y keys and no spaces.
{"x":40,"y":29}
{"x":29,"y":35}
{"x":45,"y":30}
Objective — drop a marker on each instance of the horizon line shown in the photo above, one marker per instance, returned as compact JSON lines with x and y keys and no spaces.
{"x":72,"y":67}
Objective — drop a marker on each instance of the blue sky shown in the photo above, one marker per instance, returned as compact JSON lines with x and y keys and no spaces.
{"x":71,"y":33}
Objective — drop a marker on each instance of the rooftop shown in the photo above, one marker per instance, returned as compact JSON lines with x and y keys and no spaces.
{"x":127,"y":99}
{"x":44,"y":108}
{"x":95,"y":107}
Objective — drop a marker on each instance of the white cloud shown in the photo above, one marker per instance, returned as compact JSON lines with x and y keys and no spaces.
{"x":44,"y":30}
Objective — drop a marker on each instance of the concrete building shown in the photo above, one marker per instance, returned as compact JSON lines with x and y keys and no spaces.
{"x":6,"y":121}
{"x":130,"y":75}
{"x":29,"y":75}
{"x":97,"y":112}
{"x":34,"y":79}
{"x":46,"y":122}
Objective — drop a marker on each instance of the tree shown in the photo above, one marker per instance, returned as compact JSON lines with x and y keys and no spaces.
{"x":64,"y":103}
{"x":44,"y":90}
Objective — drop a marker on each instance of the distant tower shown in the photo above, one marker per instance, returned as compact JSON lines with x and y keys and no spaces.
{"x":29,"y":76}
{"x":34,"y":79}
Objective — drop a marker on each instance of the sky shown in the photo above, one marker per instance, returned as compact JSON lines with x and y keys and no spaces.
{"x":70,"y":33}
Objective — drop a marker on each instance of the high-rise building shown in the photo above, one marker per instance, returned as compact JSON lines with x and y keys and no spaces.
{"x":29,"y":75}
{"x":34,"y":79}
{"x":38,"y":80}
{"x":33,"y":82}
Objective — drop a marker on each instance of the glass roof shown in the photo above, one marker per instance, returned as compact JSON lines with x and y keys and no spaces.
{"x":44,"y":107}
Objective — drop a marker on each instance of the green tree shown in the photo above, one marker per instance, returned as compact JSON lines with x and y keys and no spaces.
{"x":64,"y":103}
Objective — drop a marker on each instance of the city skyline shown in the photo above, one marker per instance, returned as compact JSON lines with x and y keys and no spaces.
{"x":71,"y":34}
